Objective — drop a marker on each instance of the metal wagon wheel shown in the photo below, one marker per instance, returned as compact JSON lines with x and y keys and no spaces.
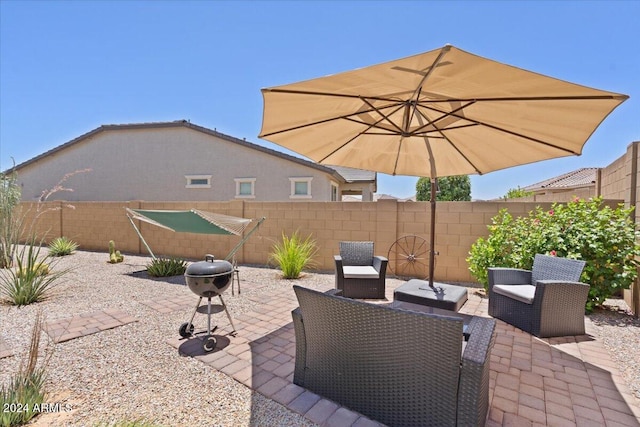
{"x":409,"y":257}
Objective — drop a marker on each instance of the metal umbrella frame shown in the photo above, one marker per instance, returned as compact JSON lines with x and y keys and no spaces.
{"x":441,"y":113}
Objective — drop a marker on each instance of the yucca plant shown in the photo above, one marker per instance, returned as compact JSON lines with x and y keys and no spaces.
{"x":62,"y":246}
{"x":165,"y":267}
{"x":293,"y":254}
{"x":31,"y":280}
{"x":21,"y":398}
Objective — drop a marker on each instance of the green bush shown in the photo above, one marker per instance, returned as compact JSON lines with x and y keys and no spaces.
{"x":62,"y":246}
{"x":24,"y":394}
{"x":165,"y":267}
{"x":605,"y":238}
{"x":293,"y":254}
{"x":31,"y":280}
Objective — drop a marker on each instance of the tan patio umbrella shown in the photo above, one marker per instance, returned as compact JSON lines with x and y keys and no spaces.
{"x":441,"y":113}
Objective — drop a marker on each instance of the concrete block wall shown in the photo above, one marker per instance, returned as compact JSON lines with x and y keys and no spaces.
{"x":458,"y":226}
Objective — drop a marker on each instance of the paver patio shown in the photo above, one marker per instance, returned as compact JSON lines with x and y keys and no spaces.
{"x":66,"y":329}
{"x":534,"y":382}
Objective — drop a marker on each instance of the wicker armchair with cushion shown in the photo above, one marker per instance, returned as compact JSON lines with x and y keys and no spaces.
{"x":359,"y":273}
{"x":395,"y":366}
{"x":548,"y":301}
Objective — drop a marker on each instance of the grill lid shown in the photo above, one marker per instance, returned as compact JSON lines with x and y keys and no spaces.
{"x":210,"y":267}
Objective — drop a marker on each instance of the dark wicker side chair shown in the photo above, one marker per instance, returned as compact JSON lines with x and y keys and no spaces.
{"x":359,"y":273}
{"x":548,"y":301}
{"x":395,"y":366}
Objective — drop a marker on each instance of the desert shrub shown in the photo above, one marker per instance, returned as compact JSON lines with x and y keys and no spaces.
{"x":605,"y":238}
{"x":293,"y":254}
{"x":10,"y":219}
{"x":62,"y":246}
{"x":24,"y":393}
{"x":165,"y":267}
{"x":31,"y":280}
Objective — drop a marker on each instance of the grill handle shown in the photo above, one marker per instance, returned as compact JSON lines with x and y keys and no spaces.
{"x":209,"y":257}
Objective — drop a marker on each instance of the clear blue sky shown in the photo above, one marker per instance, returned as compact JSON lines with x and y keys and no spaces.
{"x":69,"y":67}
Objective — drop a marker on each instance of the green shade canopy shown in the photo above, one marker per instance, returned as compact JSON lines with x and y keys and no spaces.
{"x":192,"y":221}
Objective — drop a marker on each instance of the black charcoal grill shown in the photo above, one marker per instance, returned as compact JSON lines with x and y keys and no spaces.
{"x":207,"y":279}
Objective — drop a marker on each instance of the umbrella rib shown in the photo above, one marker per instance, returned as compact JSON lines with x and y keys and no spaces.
{"x":346,"y":117}
{"x":333,"y":94}
{"x":349,"y":141}
{"x":444,"y":116}
{"x":418,"y":88}
{"x":519,"y":135}
{"x":449,"y":99}
{"x":455,"y":147}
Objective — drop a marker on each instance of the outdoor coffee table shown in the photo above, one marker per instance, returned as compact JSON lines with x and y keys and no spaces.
{"x":466,"y":318}
{"x":442,"y":295}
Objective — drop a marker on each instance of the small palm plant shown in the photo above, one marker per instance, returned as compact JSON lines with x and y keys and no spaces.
{"x":293,"y":254}
{"x":62,"y":246}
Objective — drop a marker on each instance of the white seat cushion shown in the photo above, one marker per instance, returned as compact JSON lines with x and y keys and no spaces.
{"x":359,"y":272}
{"x":522,"y":293}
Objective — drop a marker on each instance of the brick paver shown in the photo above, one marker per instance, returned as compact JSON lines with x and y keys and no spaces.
{"x":568,"y":381}
{"x":66,"y":329}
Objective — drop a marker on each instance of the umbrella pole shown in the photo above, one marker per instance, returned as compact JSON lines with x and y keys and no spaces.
{"x":432,"y":237}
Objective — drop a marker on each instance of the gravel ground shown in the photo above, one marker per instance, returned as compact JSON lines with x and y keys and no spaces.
{"x":130,"y":372}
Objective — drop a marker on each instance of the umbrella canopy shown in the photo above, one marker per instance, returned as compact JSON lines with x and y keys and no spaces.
{"x":441,"y":113}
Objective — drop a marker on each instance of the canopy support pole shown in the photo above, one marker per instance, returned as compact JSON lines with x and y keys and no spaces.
{"x":432,"y":236}
{"x":140,"y":236}
{"x":244,"y":239}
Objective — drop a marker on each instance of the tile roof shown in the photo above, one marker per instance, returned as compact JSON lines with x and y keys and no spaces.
{"x":578,"y":178}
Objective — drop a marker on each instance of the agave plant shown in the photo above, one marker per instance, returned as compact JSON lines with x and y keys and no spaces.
{"x":62,"y":246}
{"x":31,"y":280}
{"x":165,"y":267}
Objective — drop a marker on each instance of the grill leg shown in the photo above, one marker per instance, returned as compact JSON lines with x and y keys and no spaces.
{"x":228,"y":315}
{"x":195,"y":311}
{"x":209,"y":316}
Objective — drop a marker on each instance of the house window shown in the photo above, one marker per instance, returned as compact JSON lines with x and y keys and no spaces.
{"x":245,"y":188}
{"x":300,"y":188}
{"x":334,"y":192}
{"x":198,"y":181}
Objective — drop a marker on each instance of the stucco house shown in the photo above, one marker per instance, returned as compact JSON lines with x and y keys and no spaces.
{"x":181,"y":161}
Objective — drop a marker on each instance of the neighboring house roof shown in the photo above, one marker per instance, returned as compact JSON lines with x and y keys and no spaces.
{"x":582,"y":177}
{"x":351,"y":174}
{"x":354,"y":175}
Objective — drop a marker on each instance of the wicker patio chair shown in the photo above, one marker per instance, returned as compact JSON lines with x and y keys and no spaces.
{"x":359,"y":273}
{"x":395,"y":366}
{"x":548,"y":301}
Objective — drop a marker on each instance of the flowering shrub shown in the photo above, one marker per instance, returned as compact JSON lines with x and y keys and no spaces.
{"x":605,"y":238}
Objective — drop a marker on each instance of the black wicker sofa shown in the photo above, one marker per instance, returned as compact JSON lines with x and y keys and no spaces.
{"x":395,"y":366}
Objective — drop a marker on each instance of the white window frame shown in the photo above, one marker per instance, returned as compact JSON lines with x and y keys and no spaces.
{"x":240,"y":181}
{"x":294,"y":180}
{"x":190,"y":178}
{"x":336,"y":187}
